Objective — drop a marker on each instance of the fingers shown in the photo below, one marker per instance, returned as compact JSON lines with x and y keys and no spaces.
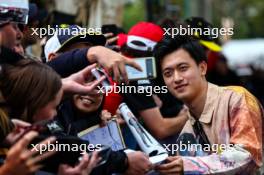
{"x":174,"y":166}
{"x":174,"y":171}
{"x":84,"y":162}
{"x":94,"y":159}
{"x":116,"y":72}
{"x":112,"y":40}
{"x":96,"y":83}
{"x":148,"y":166}
{"x":118,"y":113}
{"x":37,"y":148}
{"x":87,"y":71}
{"x":20,"y":123}
{"x":119,"y":70}
{"x":119,"y":117}
{"x":108,"y":35}
{"x":123,"y":72}
{"x":170,"y":165}
{"x":105,"y":115}
{"x":133,"y":64}
{"x":120,"y":120}
{"x":138,"y":163}
{"x":38,"y":159}
{"x":87,"y":89}
{"x":23,"y":142}
{"x":87,"y":164}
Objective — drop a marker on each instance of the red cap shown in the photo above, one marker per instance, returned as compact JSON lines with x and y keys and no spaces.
{"x":146,"y":32}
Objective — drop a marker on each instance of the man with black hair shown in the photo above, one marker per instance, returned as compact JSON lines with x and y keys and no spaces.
{"x":169,"y":120}
{"x":224,"y":131}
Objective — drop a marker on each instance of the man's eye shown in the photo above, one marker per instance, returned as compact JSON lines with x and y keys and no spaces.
{"x":167,"y":73}
{"x":183,"y":68}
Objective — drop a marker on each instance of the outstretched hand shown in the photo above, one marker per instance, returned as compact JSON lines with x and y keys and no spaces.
{"x":112,"y":61}
{"x":77,"y":82}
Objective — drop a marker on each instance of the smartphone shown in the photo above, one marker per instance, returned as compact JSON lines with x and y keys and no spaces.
{"x":148,"y":65}
{"x":98,"y":73}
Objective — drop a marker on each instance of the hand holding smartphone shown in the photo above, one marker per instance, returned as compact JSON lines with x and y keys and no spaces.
{"x":148,"y":66}
{"x":98,"y":73}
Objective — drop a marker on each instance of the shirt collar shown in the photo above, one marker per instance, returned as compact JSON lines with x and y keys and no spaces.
{"x":209,"y":107}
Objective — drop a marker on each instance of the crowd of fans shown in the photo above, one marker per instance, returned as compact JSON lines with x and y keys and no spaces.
{"x":60,"y":88}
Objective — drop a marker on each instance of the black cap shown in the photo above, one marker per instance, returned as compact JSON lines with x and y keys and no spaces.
{"x":207,"y":39}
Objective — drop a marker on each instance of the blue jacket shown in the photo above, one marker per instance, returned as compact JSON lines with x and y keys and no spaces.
{"x":70,"y":62}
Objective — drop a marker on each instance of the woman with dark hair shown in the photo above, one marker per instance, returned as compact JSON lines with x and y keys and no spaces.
{"x":32,"y":91}
{"x":81,"y":111}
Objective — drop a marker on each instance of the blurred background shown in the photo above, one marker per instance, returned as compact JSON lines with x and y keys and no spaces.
{"x":243,"y":52}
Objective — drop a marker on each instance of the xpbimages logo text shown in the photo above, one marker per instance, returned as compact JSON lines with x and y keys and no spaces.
{"x":191,"y":147}
{"x":50,"y":31}
{"x":128,"y":89}
{"x":62,"y":147}
{"x":191,"y":31}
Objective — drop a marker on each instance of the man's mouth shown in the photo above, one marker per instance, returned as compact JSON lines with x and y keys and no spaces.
{"x":180,"y":87}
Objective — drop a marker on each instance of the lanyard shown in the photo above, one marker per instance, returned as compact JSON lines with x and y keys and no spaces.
{"x":200,"y":134}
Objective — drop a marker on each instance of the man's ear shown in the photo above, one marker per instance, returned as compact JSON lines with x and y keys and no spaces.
{"x":203,"y":68}
{"x":52,"y":56}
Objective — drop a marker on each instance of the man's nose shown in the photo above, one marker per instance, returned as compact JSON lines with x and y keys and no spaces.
{"x":177,"y":77}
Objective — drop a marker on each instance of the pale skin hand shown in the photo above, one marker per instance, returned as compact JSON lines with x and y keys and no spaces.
{"x":119,"y":118}
{"x":20,"y":124}
{"x":110,"y":38}
{"x":85,"y":166}
{"x":157,"y":101}
{"x":18,"y":131}
{"x":138,"y":163}
{"x":76,"y":83}
{"x":173,"y":167}
{"x":22,"y":161}
{"x":112,"y":61}
{"x":106,"y":117}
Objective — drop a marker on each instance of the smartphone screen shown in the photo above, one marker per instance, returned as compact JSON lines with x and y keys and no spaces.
{"x":148,"y":66}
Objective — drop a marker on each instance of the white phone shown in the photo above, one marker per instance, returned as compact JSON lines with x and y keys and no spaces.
{"x":148,"y":65}
{"x":98,"y":73}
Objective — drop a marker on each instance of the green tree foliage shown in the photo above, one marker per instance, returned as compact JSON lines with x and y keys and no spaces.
{"x":247,"y":15}
{"x":133,"y":13}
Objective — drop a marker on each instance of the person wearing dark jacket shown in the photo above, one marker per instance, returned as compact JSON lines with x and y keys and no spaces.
{"x":70,"y":62}
{"x":83,"y":111}
{"x":89,"y":46}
